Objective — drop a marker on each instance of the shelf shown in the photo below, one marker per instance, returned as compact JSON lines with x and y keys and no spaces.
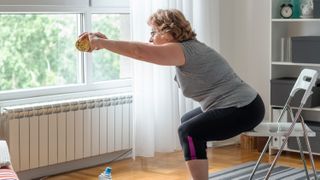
{"x":296,"y":20}
{"x":294,"y":64}
{"x":306,"y":109}
{"x":282,"y":29}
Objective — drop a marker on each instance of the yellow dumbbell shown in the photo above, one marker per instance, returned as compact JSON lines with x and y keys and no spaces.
{"x":83,"y":44}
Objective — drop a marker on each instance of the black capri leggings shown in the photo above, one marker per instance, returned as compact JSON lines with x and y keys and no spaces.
{"x":198,"y":127}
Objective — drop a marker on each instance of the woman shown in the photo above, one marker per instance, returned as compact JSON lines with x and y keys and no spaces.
{"x":229,"y":106}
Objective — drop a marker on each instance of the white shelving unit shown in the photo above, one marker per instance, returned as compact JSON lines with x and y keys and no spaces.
{"x":283,"y":67}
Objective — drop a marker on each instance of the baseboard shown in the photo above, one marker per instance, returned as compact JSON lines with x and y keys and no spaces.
{"x":50,"y":170}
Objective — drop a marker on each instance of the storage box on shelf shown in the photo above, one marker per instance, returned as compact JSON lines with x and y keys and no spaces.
{"x":305,"y":49}
{"x":281,"y":87}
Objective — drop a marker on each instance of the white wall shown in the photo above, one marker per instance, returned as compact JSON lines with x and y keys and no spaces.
{"x":259,"y":49}
{"x":245,"y":42}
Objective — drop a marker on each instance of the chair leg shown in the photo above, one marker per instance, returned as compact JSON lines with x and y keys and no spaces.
{"x":283,"y":143}
{"x":303,"y":159}
{"x":285,"y":108}
{"x":266,"y":146}
{"x":301,"y":150}
{"x":276,"y":158}
{"x":309,"y":149}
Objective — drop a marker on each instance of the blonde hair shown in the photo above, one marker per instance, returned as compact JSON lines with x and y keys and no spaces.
{"x":172,"y":21}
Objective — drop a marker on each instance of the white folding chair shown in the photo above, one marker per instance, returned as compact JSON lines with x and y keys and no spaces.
{"x":306,"y":81}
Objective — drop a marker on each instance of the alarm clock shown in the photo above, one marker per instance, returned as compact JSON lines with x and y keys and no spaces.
{"x":286,"y":10}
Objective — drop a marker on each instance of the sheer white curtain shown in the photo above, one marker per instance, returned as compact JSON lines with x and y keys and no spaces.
{"x":158,"y":104}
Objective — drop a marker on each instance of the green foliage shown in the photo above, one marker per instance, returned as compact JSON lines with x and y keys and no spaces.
{"x":37,"y":50}
{"x":106,"y":64}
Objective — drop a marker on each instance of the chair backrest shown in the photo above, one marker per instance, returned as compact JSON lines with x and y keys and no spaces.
{"x":306,"y":81}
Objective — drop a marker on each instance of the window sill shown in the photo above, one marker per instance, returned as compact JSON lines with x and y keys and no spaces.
{"x":65,"y":92}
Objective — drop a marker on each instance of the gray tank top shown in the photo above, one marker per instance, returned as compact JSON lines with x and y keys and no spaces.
{"x":207,"y":78}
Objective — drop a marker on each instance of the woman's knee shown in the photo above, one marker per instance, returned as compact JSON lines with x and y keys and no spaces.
{"x":193,"y":147}
{"x":180,"y":130}
{"x":183,"y":131}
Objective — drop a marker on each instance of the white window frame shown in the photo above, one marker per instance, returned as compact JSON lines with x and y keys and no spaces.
{"x":86,"y":87}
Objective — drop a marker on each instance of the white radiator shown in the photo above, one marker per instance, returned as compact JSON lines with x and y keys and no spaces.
{"x":39,"y":135}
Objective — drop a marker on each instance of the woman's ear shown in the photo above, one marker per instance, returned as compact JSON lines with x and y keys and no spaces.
{"x":168,"y":37}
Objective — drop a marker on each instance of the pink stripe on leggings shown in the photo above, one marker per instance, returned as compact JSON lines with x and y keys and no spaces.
{"x":191,"y":148}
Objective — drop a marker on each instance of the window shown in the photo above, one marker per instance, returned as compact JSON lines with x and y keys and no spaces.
{"x":38,"y":56}
{"x":37,"y":50}
{"x":107,"y":65}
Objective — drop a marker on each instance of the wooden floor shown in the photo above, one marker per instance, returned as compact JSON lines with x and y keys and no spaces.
{"x":171,"y":166}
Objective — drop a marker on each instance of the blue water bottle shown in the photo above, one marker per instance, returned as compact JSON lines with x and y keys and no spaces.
{"x":106,"y":175}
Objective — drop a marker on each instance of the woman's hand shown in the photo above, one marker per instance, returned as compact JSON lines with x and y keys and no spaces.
{"x":94,"y":39}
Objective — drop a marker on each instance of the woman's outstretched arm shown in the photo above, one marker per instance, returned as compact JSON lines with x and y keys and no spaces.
{"x":169,"y":54}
